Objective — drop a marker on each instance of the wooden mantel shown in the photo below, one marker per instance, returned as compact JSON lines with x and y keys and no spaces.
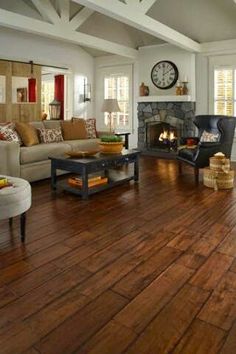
{"x":169,"y":98}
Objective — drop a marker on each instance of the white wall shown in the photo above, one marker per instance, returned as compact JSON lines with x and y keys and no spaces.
{"x":202,"y":84}
{"x":16,"y":45}
{"x":185,"y":62}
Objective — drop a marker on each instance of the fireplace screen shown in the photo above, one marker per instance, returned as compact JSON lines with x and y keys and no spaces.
{"x":161,"y":136}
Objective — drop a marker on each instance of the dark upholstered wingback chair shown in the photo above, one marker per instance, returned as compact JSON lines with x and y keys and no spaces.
{"x":199,"y":157}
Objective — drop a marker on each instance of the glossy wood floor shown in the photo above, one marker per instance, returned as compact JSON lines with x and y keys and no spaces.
{"x":148,"y":268}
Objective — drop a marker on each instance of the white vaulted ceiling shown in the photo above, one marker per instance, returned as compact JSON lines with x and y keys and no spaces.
{"x":201,"y":20}
{"x":122,"y":26}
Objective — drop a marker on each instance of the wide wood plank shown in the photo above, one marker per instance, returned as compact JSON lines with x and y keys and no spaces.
{"x":73,"y":332}
{"x":228,"y":246}
{"x":220,"y":309}
{"x":112,"y":338}
{"x":6,"y":296}
{"x":39,"y":297}
{"x":167,"y":328}
{"x":34,"y":279}
{"x":141,"y":276}
{"x":201,"y":338}
{"x":208,"y":276}
{"x":140,"y":311}
{"x":230,"y":344}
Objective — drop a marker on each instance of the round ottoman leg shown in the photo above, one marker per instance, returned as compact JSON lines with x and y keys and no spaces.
{"x":22,"y":226}
{"x":10,"y":222}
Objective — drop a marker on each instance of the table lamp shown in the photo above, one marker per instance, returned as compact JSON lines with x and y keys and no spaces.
{"x":110,"y":105}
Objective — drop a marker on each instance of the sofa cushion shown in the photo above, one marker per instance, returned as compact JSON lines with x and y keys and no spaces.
{"x":91,"y":128}
{"x":50,"y":135}
{"x":73,"y":130}
{"x":51,"y":124}
{"x":83,"y":145}
{"x":37,"y":125}
{"x":27,"y":133}
{"x":90,"y":124}
{"x":9,"y":133}
{"x":41,"y":152}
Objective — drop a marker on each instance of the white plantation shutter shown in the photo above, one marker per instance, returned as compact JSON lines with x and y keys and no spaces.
{"x":224,"y":100}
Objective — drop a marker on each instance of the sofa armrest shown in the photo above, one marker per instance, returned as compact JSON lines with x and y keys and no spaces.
{"x":9,"y":158}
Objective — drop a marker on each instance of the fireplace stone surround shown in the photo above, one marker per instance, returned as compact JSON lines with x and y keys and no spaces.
{"x":178,"y":114}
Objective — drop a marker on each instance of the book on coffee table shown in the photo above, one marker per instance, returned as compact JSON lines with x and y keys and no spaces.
{"x":92,"y":182}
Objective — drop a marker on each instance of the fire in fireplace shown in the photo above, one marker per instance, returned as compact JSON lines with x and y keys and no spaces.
{"x":161,"y":136}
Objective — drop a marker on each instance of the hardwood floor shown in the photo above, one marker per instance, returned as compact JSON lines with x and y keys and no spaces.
{"x":147,"y":268}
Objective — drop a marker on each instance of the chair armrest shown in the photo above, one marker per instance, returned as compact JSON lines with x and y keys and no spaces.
{"x":9,"y":158}
{"x":208,"y":145}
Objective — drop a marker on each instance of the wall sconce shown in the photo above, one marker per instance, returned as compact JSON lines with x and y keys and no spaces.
{"x":87,"y":92}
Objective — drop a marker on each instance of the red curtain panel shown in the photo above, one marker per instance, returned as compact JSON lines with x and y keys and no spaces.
{"x":32,"y":90}
{"x":59,"y":92}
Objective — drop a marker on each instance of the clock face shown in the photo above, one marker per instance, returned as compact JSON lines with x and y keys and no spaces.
{"x":164,"y":74}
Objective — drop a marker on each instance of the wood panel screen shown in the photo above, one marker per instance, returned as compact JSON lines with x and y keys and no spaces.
{"x":24,"y":111}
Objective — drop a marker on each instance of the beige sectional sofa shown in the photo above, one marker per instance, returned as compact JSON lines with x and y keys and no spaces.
{"x":32,"y":163}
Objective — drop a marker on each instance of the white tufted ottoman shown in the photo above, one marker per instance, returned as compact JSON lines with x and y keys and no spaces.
{"x":15,"y":201}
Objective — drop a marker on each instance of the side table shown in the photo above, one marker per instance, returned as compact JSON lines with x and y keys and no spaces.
{"x":126,"y":135}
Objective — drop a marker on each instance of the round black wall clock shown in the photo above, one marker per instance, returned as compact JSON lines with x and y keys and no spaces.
{"x":164,"y":74}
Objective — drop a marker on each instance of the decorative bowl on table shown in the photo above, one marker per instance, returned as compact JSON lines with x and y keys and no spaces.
{"x":81,"y":153}
{"x":111,"y":144}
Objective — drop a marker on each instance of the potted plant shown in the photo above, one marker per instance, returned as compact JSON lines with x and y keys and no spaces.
{"x":111,"y":144}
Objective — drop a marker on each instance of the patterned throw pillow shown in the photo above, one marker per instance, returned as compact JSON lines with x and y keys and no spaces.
{"x":50,"y":135}
{"x":209,"y":137}
{"x":9,"y":133}
{"x":91,"y":128}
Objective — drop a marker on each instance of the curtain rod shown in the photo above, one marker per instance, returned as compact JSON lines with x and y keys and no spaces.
{"x":37,"y":64}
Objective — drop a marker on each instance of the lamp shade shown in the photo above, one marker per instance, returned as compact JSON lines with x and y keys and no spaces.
{"x":110,"y":105}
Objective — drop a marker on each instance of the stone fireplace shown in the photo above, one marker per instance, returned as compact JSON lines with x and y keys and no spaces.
{"x":162,"y":124}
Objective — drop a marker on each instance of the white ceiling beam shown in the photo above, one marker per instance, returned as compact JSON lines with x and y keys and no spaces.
{"x":124,"y":13}
{"x":64,"y":9}
{"x":219,"y":47}
{"x":46,"y":10}
{"x":145,"y":5}
{"x":12,"y":20}
{"x":80,"y":18}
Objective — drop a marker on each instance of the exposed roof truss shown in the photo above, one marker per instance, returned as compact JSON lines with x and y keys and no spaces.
{"x":133,"y":13}
{"x":60,"y":26}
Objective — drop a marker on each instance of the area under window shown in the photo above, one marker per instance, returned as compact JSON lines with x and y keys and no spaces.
{"x":224,"y":91}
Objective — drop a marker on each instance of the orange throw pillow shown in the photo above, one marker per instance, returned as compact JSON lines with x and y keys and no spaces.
{"x":73,"y":130}
{"x":27,"y":133}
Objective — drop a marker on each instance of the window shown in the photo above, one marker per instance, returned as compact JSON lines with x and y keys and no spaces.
{"x":117,"y":83}
{"x":47,"y":94}
{"x":224,"y":91}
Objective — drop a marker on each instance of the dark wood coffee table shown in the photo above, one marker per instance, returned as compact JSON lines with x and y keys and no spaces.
{"x":107,"y":165}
